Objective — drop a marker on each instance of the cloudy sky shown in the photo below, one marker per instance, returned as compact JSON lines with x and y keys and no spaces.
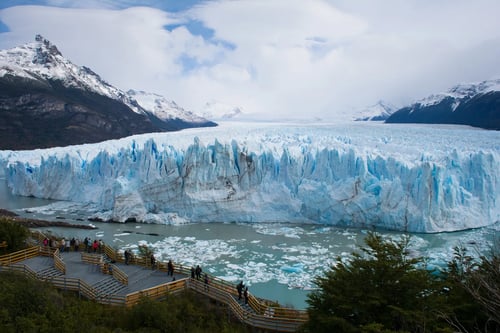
{"x":272,"y":58}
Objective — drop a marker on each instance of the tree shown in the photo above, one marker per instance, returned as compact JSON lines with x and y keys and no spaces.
{"x":474,"y":291}
{"x":379,"y":289}
{"x":13,"y":233}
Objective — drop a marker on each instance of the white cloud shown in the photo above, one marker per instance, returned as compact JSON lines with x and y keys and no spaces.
{"x":280,"y":57}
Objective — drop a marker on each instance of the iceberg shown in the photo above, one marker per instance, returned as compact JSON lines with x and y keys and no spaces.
{"x":415,"y":178}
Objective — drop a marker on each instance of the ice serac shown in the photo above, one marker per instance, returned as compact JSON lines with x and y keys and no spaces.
{"x":386,"y":180}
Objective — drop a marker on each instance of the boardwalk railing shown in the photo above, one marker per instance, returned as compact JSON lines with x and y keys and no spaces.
{"x":14,"y":257}
{"x":156,"y":292}
{"x":258,"y":314}
{"x":58,"y":262}
{"x":277,"y":322}
{"x":264,"y":315}
{"x":119,"y":275}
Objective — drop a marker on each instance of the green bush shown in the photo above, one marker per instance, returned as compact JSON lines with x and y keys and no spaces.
{"x":13,"y":233}
{"x":379,"y":289}
{"x":32,"y":306}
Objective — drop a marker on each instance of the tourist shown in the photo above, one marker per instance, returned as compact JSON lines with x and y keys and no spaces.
{"x":245,"y":294}
{"x":45,"y":242}
{"x":170,"y":268}
{"x":198,"y":272}
{"x":206,"y":282}
{"x":153,"y":261}
{"x":192,"y":272}
{"x":240,"y":288}
{"x":127,"y":256}
{"x":63,"y":245}
{"x":77,"y":244}
{"x":95,"y":246}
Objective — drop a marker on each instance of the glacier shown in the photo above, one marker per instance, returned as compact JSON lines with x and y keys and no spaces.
{"x":408,"y":177}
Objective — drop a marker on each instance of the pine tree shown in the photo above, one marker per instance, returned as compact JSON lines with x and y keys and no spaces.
{"x":379,"y":289}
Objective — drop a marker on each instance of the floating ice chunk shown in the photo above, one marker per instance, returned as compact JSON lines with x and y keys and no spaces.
{"x":296,"y":268}
{"x":121,"y":234}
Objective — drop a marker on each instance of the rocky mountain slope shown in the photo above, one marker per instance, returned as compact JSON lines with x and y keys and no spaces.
{"x":47,"y":101}
{"x":377,"y":112}
{"x":476,"y":104}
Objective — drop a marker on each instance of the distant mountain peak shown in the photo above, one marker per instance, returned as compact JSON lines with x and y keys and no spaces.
{"x":475,"y":104}
{"x":461,"y":91}
{"x":163,"y":108}
{"x":378,"y":111}
{"x":45,"y":51}
{"x":216,"y":110}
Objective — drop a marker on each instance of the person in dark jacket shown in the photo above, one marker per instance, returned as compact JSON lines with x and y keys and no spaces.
{"x":153,"y":261}
{"x":240,"y":288}
{"x":170,"y":268}
{"x":245,"y":294}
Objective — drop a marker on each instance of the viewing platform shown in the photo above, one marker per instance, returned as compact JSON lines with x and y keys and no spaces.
{"x":105,"y":278}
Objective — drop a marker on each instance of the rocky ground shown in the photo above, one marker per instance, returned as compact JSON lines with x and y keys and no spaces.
{"x":35,"y":223}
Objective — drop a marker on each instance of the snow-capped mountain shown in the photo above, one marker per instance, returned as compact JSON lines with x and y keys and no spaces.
{"x":474,"y":104}
{"x":42,"y":60}
{"x":376,"y":112}
{"x":47,"y":101}
{"x":163,"y":108}
{"x":215,"y":110}
{"x":462,"y":92}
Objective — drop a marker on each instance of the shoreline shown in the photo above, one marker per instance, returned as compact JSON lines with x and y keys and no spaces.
{"x":36,"y":223}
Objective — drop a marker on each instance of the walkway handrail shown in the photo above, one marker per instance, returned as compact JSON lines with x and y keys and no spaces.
{"x":156,"y":292}
{"x":58,"y":262}
{"x":22,"y":268}
{"x":263,"y":321}
{"x":119,"y":275}
{"x":92,"y":258}
{"x":258,"y":306}
{"x":12,"y":258}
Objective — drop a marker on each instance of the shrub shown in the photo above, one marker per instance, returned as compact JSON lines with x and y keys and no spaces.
{"x":13,"y":233}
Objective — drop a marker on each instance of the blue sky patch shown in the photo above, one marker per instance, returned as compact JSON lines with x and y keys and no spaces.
{"x":172,"y":6}
{"x":3,"y":27}
{"x":12,"y":3}
{"x":225,"y":44}
{"x":188,"y":63}
{"x":196,"y":28}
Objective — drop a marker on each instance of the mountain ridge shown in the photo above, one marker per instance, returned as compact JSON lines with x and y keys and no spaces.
{"x":376,"y":112}
{"x":47,"y":101}
{"x":474,"y":104}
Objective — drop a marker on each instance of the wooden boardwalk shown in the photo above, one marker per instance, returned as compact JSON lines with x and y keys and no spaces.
{"x":106,"y":279}
{"x":139,"y":277}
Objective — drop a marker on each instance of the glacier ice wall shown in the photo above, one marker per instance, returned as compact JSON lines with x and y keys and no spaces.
{"x":274,"y":175}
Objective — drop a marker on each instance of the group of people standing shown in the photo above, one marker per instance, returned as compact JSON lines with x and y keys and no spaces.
{"x":66,"y":245}
{"x":196,"y":274}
